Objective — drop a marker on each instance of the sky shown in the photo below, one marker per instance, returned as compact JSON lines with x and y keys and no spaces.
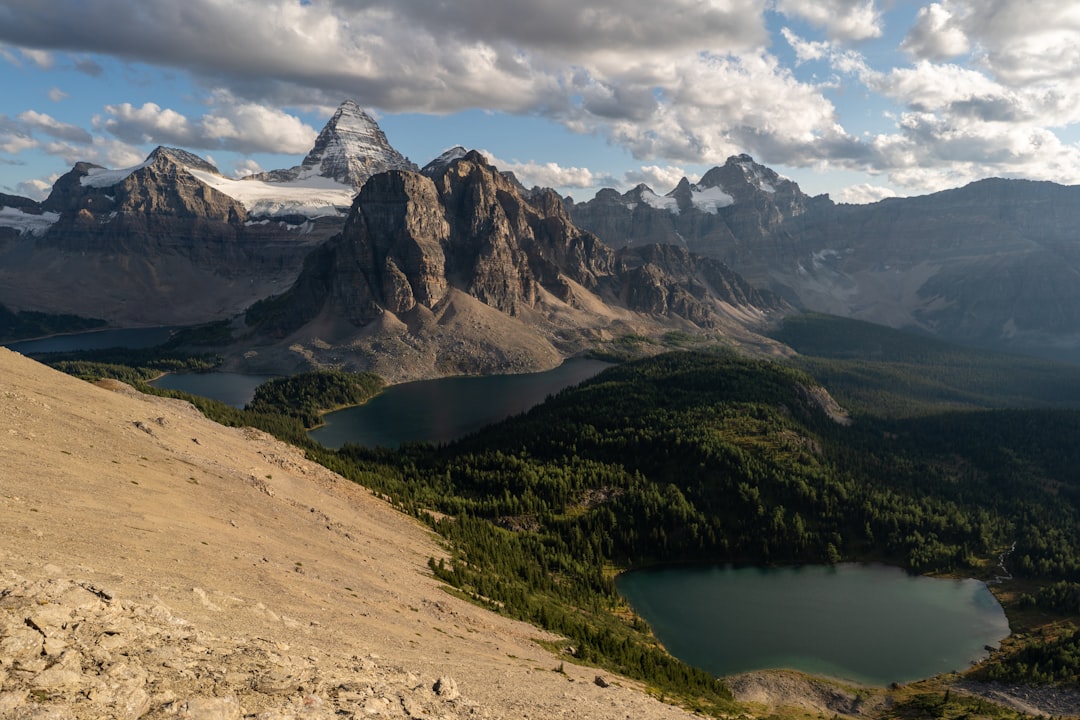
{"x":861,"y":99}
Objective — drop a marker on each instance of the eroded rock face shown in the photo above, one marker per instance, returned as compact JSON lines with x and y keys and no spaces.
{"x":735,"y":213}
{"x":152,"y":244}
{"x":412,"y":237}
{"x":158,"y":210}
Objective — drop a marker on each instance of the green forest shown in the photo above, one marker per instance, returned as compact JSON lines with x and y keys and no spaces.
{"x":948,"y":460}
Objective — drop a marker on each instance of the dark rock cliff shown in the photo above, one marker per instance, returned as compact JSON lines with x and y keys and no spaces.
{"x":411,"y":238}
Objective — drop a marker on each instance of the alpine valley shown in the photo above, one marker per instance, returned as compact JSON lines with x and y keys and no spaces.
{"x":172,"y":556}
{"x":357,"y":259}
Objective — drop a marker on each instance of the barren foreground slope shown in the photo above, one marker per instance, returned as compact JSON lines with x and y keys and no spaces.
{"x":155,"y":564}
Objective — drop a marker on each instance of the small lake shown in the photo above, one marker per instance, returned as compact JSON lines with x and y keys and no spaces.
{"x":236,"y":389}
{"x":869,"y":624}
{"x":95,"y":340}
{"x":449,"y":408}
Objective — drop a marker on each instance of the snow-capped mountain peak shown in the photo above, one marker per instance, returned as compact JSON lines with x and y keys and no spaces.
{"x":349,"y":149}
{"x":440,"y":163}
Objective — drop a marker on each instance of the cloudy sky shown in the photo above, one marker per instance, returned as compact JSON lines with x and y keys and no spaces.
{"x":861,"y":99}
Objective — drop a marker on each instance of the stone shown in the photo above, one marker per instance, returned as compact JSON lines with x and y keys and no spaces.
{"x":446,"y":688}
{"x":208,"y":708}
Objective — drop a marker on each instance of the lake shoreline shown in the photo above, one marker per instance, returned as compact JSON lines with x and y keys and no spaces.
{"x":857,"y":623}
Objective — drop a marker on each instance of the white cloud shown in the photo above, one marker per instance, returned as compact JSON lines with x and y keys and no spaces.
{"x":548,"y":174}
{"x":681,"y":82}
{"x":660,"y":179}
{"x":713,"y":107}
{"x":41,"y":58}
{"x":14,"y":138}
{"x":243,"y":127}
{"x":54,"y":128}
{"x":150,"y":123}
{"x":864,"y":193}
{"x":806,"y":50}
{"x":103,"y":151}
{"x":937,"y":34}
{"x":246,"y":167}
{"x":1018,"y":42}
{"x":849,"y":20}
{"x":36,"y":189}
{"x":56,"y":94}
{"x":248,"y":127}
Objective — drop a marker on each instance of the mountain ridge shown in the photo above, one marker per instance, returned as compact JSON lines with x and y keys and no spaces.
{"x":993,"y":263}
{"x":470,"y":276}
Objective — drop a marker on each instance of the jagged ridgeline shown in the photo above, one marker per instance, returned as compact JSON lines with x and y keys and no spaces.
{"x":461,"y":268}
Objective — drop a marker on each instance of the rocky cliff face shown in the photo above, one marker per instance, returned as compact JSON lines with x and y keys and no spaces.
{"x":995,"y":263}
{"x":153,"y":244}
{"x":462,"y":247}
{"x":172,"y":241}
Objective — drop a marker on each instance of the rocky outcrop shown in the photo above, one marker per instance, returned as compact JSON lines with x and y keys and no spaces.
{"x":416,"y":246}
{"x":158,"y":207}
{"x":171,"y":241}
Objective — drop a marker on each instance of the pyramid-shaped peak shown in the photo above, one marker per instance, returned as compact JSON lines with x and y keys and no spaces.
{"x":350,"y":148}
{"x":350,"y":117}
{"x":180,"y":157}
{"x":440,"y":163}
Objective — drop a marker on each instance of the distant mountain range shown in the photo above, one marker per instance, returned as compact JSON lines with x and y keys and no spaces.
{"x":357,"y":258}
{"x":995,"y":263}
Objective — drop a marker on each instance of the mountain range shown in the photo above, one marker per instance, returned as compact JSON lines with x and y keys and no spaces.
{"x":993,"y":264}
{"x":357,"y":258}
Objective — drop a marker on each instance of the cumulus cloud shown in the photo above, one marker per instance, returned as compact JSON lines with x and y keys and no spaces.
{"x":549,"y":174}
{"x":936,"y":35}
{"x":660,"y":179}
{"x":56,"y":94}
{"x":35,"y":189}
{"x":682,"y":82}
{"x":620,"y":66}
{"x":864,"y":193}
{"x":246,"y":167}
{"x":102,"y":151}
{"x":1018,"y":42}
{"x":848,"y":20}
{"x":244,"y":127}
{"x":716,"y":106}
{"x":49,"y":125}
{"x":15,"y":137}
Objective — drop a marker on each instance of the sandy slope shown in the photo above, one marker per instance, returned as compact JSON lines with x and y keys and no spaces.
{"x":155,"y":564}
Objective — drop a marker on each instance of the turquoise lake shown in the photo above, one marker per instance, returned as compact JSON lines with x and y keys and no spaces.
{"x":869,"y":624}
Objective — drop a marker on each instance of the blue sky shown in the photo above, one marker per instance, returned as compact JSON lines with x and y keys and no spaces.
{"x":861,"y":99}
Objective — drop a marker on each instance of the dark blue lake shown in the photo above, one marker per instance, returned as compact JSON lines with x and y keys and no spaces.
{"x":236,"y":389}
{"x":449,"y":408}
{"x":95,"y":340}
